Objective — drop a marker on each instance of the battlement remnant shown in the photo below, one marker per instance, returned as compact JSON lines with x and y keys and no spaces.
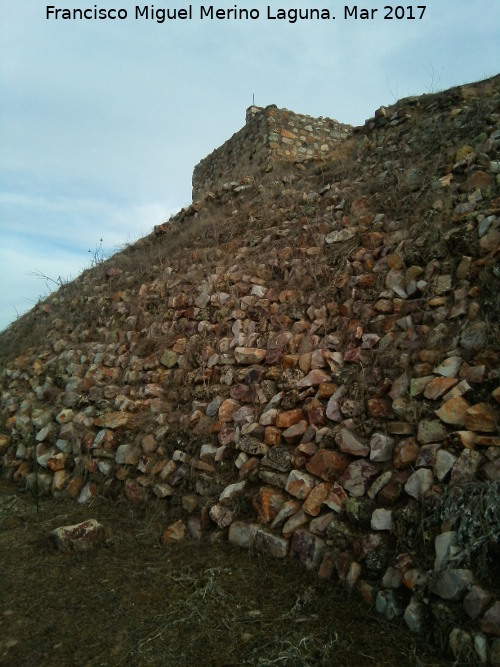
{"x":270,"y":135}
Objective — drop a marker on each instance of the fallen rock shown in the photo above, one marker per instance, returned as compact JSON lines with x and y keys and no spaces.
{"x":294,"y":522}
{"x":287,"y":510}
{"x":475,"y":336}
{"x":174,"y":533}
{"x":221,"y":515}
{"x":289,"y":418}
{"x":449,"y":367}
{"x":443,"y":463}
{"x":231,"y":492}
{"x":460,"y":643}
{"x":79,"y":537}
{"x":169,"y":358}
{"x":357,"y":476}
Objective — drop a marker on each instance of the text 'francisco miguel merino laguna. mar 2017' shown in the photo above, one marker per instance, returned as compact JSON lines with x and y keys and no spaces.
{"x":235,"y":13}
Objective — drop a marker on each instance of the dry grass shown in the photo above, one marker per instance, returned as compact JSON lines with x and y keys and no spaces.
{"x":131,"y":601}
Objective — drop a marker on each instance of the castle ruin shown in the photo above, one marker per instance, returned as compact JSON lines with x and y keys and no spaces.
{"x":270,"y":135}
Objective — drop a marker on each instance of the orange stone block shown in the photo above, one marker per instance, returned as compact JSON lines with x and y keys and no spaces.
{"x":227,"y":409}
{"x":59,"y":480}
{"x":372,"y":240}
{"x":267,"y":503}
{"x":314,"y":501}
{"x":56,"y":462}
{"x":487,"y":441}
{"x":180,"y":345}
{"x":328,"y":464}
{"x":326,"y":389}
{"x":395,"y":261}
{"x":378,"y":407}
{"x":272,"y":436}
{"x":466,"y":439}
{"x":249,"y":355}
{"x":405,"y":453}
{"x":453,"y":411}
{"x":437,"y":301}
{"x":112,"y":420}
{"x":4,"y":443}
{"x":439,"y":386}
{"x":289,"y":418}
{"x":22,"y":471}
{"x":305,"y":362}
{"x":290,"y":360}
{"x":74,"y":487}
{"x":174,"y":533}
{"x":481,"y":417}
{"x":367,"y":280}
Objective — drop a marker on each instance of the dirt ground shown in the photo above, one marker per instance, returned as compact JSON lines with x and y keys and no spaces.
{"x":131,"y":601}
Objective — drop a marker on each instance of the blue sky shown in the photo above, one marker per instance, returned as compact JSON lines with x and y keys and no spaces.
{"x":102,"y":122}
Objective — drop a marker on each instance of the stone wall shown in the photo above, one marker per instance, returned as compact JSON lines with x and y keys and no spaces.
{"x":325,"y":388}
{"x":269,"y":136}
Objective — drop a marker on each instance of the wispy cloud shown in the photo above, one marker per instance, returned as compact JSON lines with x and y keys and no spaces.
{"x":58,"y":239}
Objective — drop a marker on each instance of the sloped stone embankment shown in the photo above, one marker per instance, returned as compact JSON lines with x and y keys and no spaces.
{"x":308,"y":363}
